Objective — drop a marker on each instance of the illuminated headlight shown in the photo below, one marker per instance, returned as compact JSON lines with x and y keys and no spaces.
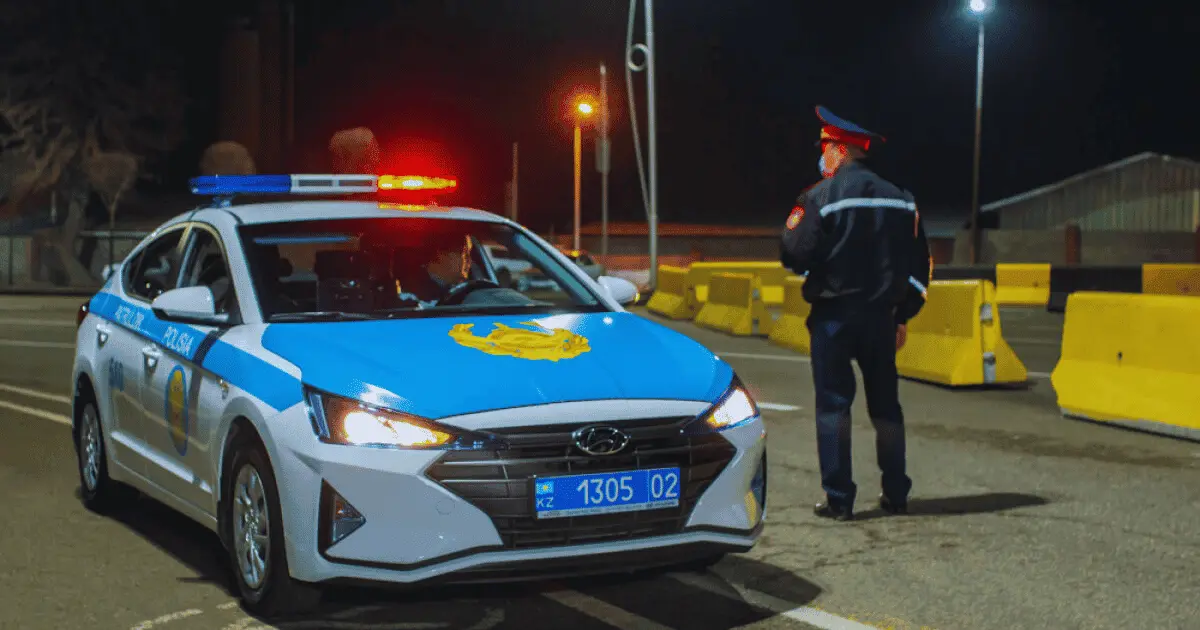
{"x":338,"y":420}
{"x":734,"y":408}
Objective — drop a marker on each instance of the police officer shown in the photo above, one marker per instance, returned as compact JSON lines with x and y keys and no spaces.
{"x":860,"y":241}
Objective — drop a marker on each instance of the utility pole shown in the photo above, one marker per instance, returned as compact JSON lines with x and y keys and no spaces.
{"x":975,"y":233}
{"x":652,"y":143}
{"x":513,"y":210}
{"x":603,"y":154}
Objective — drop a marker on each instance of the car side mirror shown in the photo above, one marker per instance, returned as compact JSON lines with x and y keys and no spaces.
{"x":108,"y":271}
{"x":188,"y":305}
{"x":622,"y":291}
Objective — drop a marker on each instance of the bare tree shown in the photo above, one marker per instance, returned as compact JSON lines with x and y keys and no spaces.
{"x":35,"y":148}
{"x":111,"y":174}
{"x":227,"y":158}
{"x":80,"y":68}
{"x":354,"y":151}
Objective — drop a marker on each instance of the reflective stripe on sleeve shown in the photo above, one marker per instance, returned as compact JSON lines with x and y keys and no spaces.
{"x":868,"y":202}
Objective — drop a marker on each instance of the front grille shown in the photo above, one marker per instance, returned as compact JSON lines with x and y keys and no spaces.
{"x":498,"y":482}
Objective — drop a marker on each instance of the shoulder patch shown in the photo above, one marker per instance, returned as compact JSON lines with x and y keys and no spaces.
{"x":794,"y":218}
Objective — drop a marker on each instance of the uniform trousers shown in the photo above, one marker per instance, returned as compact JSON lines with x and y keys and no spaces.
{"x":841,"y":333}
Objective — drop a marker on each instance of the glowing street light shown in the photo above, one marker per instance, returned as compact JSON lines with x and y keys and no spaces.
{"x":979,"y":8}
{"x":584,"y":109}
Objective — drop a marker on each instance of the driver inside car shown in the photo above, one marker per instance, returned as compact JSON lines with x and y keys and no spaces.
{"x":428,"y":274}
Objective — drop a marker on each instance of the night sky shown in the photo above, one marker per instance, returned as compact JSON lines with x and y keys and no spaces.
{"x":1068,"y":86}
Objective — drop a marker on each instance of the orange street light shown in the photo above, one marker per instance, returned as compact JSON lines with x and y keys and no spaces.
{"x":584,"y":108}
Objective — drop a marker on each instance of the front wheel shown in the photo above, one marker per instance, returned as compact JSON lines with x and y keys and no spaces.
{"x":254,"y":526}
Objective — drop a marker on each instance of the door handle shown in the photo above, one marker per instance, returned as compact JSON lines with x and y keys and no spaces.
{"x":102,"y":335}
{"x":151,"y":357}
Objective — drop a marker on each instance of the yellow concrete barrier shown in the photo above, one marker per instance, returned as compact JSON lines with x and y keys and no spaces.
{"x":791,"y":329}
{"x":731,"y":305}
{"x":670,"y":298}
{"x":772,"y":274}
{"x":955,"y":340}
{"x":1131,"y":359}
{"x":1162,"y":279}
{"x":1022,"y":285}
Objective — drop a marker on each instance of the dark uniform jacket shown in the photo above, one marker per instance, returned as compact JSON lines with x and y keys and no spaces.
{"x":861,"y":242}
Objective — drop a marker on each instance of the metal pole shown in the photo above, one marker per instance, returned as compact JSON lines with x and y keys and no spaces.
{"x":578,"y":169}
{"x":289,"y":106}
{"x":604,"y":157}
{"x":514,"y":183}
{"x":975,"y":232}
{"x":652,"y":143}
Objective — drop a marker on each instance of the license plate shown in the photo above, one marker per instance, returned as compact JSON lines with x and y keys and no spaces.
{"x":606,"y":493}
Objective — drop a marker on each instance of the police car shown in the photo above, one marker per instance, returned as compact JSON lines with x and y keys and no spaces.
{"x":279,"y":372}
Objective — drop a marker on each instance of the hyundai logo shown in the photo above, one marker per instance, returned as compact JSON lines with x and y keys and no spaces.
{"x":600,"y":440}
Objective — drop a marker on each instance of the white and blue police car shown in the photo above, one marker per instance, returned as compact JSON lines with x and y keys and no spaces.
{"x":341,"y":390}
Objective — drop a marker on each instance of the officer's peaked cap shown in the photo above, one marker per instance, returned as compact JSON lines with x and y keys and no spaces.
{"x":837,"y":129}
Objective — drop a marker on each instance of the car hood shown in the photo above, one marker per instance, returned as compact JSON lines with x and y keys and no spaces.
{"x":446,"y":366}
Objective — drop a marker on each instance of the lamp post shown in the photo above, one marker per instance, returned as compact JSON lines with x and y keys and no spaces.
{"x":978,"y":8}
{"x":602,"y":161}
{"x":583,"y":109}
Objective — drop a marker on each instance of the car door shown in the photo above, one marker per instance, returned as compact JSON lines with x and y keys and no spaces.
{"x":122,"y":336}
{"x":184,"y":402}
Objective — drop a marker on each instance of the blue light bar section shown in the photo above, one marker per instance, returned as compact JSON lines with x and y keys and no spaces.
{"x":241,"y":184}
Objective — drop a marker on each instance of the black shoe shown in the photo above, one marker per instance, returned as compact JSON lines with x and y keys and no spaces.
{"x":892,"y":507}
{"x":835,"y":512}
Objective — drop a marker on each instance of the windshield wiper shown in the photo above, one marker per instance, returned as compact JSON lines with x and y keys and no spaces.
{"x":325,"y":316}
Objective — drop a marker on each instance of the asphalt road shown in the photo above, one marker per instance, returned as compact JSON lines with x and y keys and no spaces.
{"x":1021,"y":519}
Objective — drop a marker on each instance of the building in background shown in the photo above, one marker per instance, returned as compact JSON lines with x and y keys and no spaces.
{"x":1145,"y":208}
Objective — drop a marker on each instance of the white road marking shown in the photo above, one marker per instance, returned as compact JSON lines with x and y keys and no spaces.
{"x":603,"y":611}
{"x":35,"y":412}
{"x":36,"y":323}
{"x":33,"y":393}
{"x":778,"y":407}
{"x":241,"y":624}
{"x":21,"y":343}
{"x":805,"y":614}
{"x":168,"y":618}
{"x":799,"y":358}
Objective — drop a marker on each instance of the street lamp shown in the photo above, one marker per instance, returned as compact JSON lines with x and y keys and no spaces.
{"x":583,"y":109}
{"x":979,"y":8}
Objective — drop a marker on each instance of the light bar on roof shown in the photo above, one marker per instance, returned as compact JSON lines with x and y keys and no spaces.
{"x":415,"y":182}
{"x":220,"y":185}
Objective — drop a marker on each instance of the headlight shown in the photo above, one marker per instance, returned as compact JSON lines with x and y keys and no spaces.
{"x":735,"y":407}
{"x":338,"y":420}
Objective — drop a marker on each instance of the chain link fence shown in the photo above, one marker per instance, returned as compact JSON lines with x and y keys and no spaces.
{"x":38,"y":261}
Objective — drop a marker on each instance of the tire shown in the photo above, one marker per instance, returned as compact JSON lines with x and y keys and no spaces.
{"x":269,"y":590}
{"x":99,"y":493}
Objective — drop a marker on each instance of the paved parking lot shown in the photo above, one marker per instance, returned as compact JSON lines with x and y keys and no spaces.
{"x":1021,"y":519}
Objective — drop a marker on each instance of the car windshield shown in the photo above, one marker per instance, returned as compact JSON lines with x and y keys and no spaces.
{"x":349,"y":269}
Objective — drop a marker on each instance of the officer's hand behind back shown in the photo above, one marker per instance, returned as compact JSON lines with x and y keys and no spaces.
{"x":901,"y":335}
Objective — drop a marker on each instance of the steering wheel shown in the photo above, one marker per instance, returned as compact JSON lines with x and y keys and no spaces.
{"x":459,"y":292}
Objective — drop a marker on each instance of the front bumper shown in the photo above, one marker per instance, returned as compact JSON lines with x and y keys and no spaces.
{"x":467,"y":516}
